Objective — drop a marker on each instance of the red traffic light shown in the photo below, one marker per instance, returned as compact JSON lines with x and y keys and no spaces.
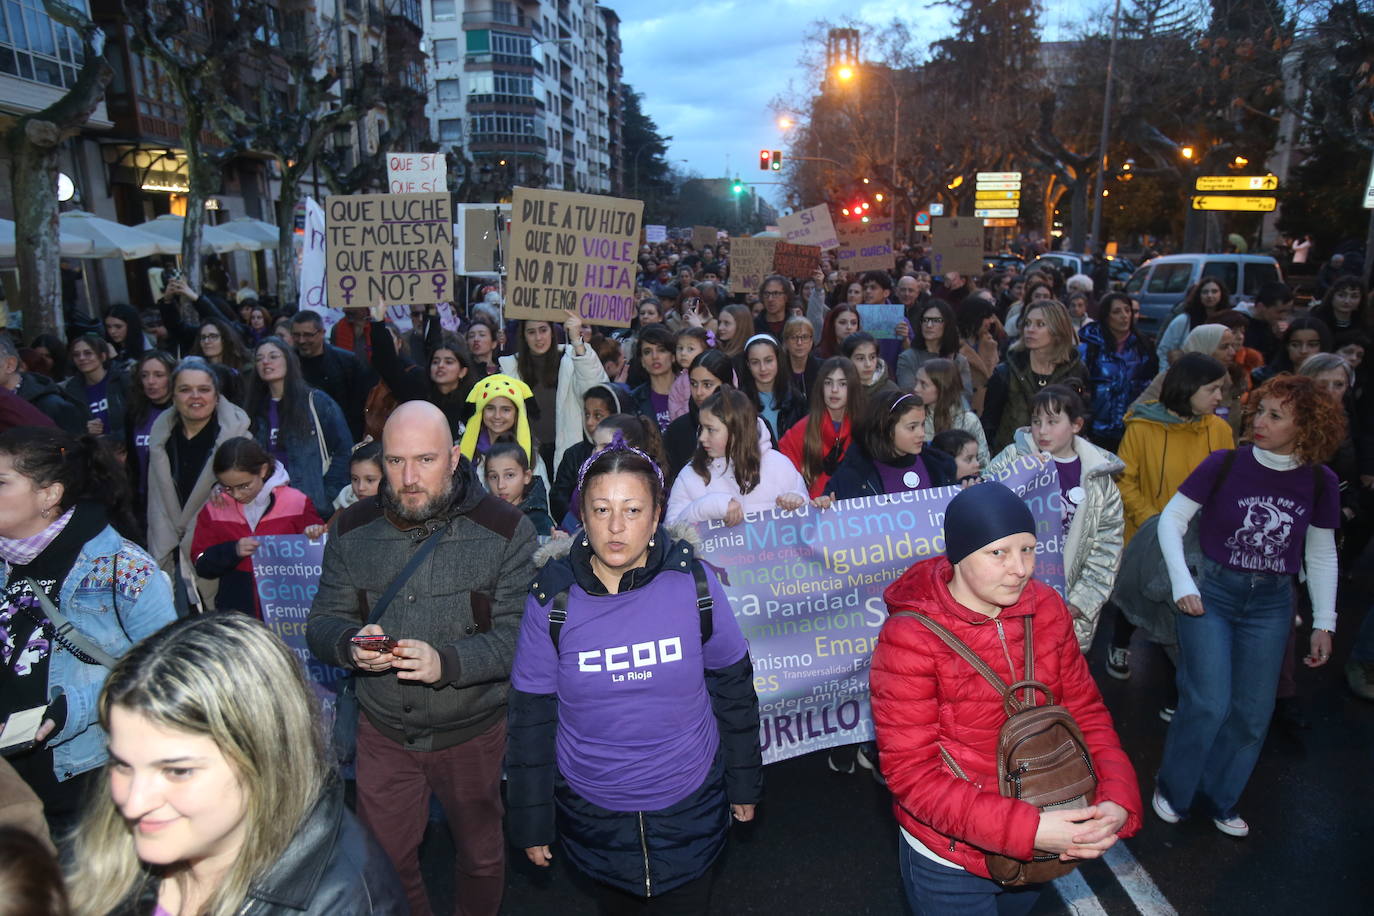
{"x":777,"y":160}
{"x":765,"y":159}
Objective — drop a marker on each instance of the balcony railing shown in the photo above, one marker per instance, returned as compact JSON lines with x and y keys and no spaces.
{"x":506,"y":100}
{"x":516,"y":141}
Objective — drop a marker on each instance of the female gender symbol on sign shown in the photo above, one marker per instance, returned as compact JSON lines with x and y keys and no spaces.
{"x":346,"y":283}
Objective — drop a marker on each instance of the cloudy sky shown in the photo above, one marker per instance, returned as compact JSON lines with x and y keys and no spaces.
{"x":708,"y":70}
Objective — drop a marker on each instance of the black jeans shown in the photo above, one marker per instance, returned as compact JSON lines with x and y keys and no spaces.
{"x":690,"y":899}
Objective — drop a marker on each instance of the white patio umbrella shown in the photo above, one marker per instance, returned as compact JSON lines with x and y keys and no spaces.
{"x":252,"y":229}
{"x":169,"y":226}
{"x":115,"y":240}
{"x":70,"y":246}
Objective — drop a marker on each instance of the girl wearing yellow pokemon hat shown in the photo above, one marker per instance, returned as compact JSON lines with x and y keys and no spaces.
{"x":500,"y":413}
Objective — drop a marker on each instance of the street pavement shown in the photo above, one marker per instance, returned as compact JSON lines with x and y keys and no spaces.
{"x":826,"y":844}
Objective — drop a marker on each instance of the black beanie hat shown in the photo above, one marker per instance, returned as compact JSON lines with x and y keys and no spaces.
{"x":983,"y":513}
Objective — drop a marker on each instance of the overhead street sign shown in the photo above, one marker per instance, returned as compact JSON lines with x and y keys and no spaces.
{"x":998,"y":195}
{"x":996,"y":214}
{"x":999,"y":186}
{"x":1253,"y":204}
{"x":998,"y":176}
{"x":999,"y":224}
{"x":1369,"y":189}
{"x":1238,"y":183}
{"x":936,"y":209}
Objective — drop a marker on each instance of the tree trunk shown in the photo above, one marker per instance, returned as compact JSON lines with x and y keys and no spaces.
{"x":33,"y":150}
{"x":288,"y":292}
{"x":203,"y":180}
{"x":1078,"y":212}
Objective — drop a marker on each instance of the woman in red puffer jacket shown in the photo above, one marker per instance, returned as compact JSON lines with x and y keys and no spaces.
{"x":927,"y":698}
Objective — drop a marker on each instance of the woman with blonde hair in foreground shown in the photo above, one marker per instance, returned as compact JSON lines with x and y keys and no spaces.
{"x":220,"y":801}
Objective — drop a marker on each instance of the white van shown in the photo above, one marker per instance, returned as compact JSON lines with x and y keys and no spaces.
{"x":1161,"y":284}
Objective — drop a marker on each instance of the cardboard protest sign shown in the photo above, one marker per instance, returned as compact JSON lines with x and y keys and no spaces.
{"x":956,"y":243}
{"x":416,"y":173}
{"x":881,"y":320}
{"x":573,"y":251}
{"x":703,"y":237}
{"x":811,"y":226}
{"x":750,"y":261}
{"x":795,"y":261}
{"x":393,"y":247}
{"x":655,"y":233}
{"x":868,"y":247}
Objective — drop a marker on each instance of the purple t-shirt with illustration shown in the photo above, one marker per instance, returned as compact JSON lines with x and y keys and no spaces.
{"x":661,"y":414}
{"x":1258,"y":520}
{"x":98,"y":400}
{"x":1070,"y":489}
{"x":899,"y":480}
{"x":275,"y":446}
{"x":636,"y":731}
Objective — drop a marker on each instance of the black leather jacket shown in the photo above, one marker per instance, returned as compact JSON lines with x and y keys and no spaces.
{"x":332,"y":867}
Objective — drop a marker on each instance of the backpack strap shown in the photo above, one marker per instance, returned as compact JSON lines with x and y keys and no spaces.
{"x":1030,"y":658}
{"x":705,"y":604}
{"x":962,"y":649}
{"x":1222,"y":473}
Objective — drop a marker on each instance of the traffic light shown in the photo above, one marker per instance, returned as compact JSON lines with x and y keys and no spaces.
{"x":737,"y":187}
{"x":777,"y":160}
{"x":765,"y":159}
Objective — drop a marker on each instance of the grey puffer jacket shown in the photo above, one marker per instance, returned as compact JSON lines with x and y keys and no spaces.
{"x":466,"y":600}
{"x":1092,"y":549}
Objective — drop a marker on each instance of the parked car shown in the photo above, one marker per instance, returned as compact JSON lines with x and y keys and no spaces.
{"x":1160,"y":284}
{"x":1118,"y":269}
{"x":1005,"y":262}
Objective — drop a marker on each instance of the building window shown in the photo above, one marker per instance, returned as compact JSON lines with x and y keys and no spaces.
{"x":34,"y":47}
{"x":445,"y":50}
{"x":447,"y":91}
{"x":521,"y":125}
{"x":515,"y":45}
{"x":451,"y":130}
{"x":443,"y":9}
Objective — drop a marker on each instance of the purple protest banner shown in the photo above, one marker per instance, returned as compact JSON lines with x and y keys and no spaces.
{"x":286,"y":570}
{"x":807,"y":590}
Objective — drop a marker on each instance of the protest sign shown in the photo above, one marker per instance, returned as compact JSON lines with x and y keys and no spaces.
{"x":655,"y":233}
{"x":399,"y":316}
{"x":750,"y":261}
{"x":286,"y":573}
{"x":392,"y":247}
{"x":416,"y":173}
{"x":448,"y":318}
{"x":483,"y":239}
{"x":956,"y":243}
{"x":881,"y":320}
{"x":796,"y":261}
{"x":311,"y":265}
{"x":807,"y":590}
{"x":703,"y":237}
{"x":573,"y":251}
{"x":811,"y":226}
{"x":868,"y":247}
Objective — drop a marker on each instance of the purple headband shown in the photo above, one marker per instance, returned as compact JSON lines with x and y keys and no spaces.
{"x":617,"y":444}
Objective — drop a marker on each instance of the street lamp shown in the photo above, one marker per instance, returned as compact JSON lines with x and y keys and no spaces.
{"x":1187,"y":152}
{"x":846,"y":74}
{"x":786,"y":123}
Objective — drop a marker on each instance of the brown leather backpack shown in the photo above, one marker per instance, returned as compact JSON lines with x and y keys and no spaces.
{"x":1042,"y":758}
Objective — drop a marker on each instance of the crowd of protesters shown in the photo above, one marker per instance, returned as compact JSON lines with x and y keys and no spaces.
{"x":504,"y":500}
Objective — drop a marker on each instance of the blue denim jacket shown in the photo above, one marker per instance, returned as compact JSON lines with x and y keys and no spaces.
{"x":303,"y":453}
{"x":114,"y":594}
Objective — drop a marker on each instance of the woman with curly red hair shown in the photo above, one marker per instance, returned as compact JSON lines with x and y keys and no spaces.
{"x":1267,"y":508}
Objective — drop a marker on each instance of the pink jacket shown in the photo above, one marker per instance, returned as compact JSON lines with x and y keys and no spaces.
{"x":695,"y":500}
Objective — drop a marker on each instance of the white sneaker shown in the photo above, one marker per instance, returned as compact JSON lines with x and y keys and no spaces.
{"x":847,"y":770}
{"x":1167,"y":713}
{"x":1119,"y":663}
{"x":1166,"y":813}
{"x":1233,"y":826}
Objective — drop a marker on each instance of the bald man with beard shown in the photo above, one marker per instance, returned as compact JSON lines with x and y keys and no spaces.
{"x":433,"y":717}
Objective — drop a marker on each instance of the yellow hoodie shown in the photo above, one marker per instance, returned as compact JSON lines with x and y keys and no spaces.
{"x":1160,"y":449}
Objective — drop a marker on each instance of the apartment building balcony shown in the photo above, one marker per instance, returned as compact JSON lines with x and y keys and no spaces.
{"x":501,"y":143}
{"x":407,"y":12}
{"x":485,"y":19}
{"x":502,"y":101}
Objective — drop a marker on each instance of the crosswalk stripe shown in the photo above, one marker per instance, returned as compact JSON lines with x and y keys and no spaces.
{"x":1144,"y":893}
{"x":1077,"y":896}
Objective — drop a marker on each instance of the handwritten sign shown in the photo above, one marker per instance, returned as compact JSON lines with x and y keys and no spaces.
{"x":448,"y":318}
{"x":655,"y":233}
{"x":394,"y":247}
{"x":750,"y":261}
{"x":311,"y":265}
{"x":573,"y":251}
{"x":956,"y":243}
{"x":796,"y":261}
{"x":811,"y":226}
{"x":868,"y":247}
{"x":703,"y":237}
{"x":416,"y":173}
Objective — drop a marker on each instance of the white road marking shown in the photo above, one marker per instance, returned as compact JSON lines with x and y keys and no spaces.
{"x":1077,"y":896}
{"x":1144,"y":893}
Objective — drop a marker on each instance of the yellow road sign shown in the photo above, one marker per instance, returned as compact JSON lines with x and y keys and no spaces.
{"x":997,"y":195}
{"x":999,"y":224}
{"x":1238,"y":183}
{"x":1253,"y":204}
